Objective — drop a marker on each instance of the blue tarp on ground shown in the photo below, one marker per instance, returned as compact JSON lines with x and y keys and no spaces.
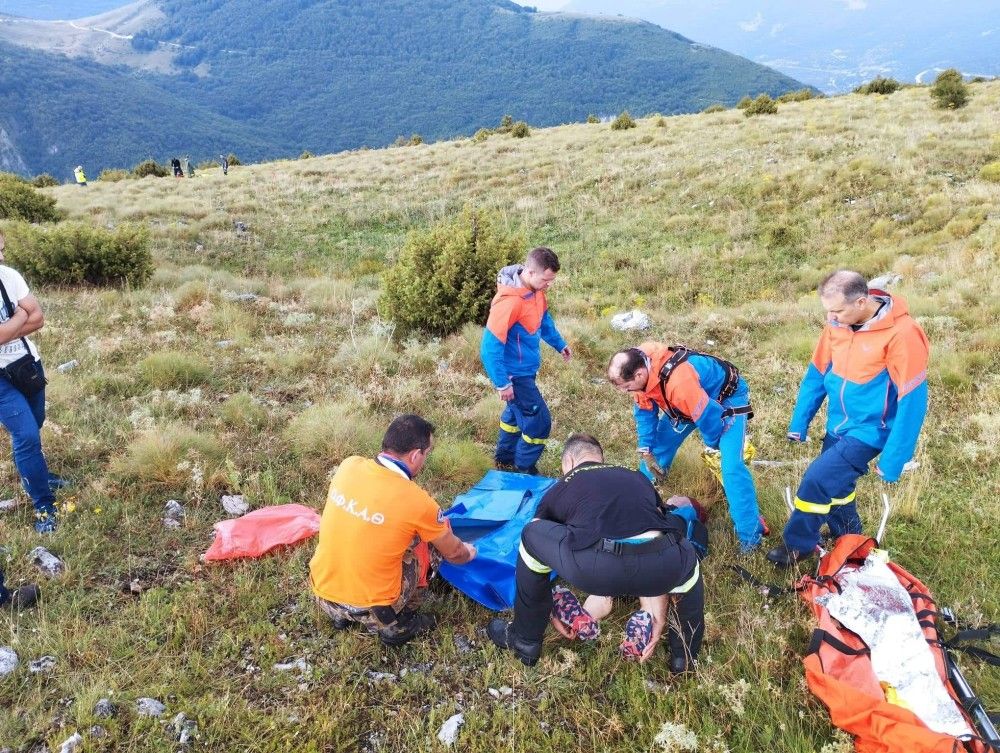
{"x":492,"y":514}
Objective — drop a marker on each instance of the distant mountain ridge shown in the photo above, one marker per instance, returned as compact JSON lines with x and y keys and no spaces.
{"x":268,"y":79}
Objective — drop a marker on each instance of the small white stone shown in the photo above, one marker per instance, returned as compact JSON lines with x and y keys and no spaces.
{"x":72,"y":744}
{"x":42,"y":664}
{"x":448,"y":733}
{"x":235,"y":505}
{"x":8,"y":660}
{"x":149,"y":707}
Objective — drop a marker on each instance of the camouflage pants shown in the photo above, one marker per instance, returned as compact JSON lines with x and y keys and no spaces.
{"x":388,"y":621}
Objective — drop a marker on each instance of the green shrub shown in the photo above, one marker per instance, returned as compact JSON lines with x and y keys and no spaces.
{"x":306,"y":154}
{"x":661,"y":122}
{"x":744,"y":103}
{"x":150,"y":167}
{"x":446,"y":276}
{"x":991,"y":172}
{"x":506,"y":123}
{"x":74,"y":253}
{"x":331,"y":431}
{"x":949,"y":91}
{"x":19,"y":200}
{"x":481,"y":135}
{"x":799,"y":95}
{"x":623,"y":122}
{"x":241,"y":411}
{"x":715,"y":108}
{"x":593,"y":118}
{"x":113,"y":175}
{"x":763,"y":105}
{"x":416,"y":139}
{"x":167,"y":457}
{"x":174,"y":369}
{"x":879,"y":85}
{"x":520,"y":130}
{"x":233,"y":160}
{"x":44,"y":181}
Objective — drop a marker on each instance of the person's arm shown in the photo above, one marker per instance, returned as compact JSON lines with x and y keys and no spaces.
{"x":12,"y":328}
{"x":684,"y":391}
{"x":453,"y":549}
{"x":551,"y":335}
{"x":812,"y":391}
{"x":907,"y":364}
{"x":36,"y":320}
{"x":494,"y":341}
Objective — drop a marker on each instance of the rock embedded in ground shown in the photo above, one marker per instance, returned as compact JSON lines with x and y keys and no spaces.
{"x":173,"y":514}
{"x":300,"y":664}
{"x":72,"y":744}
{"x":47,"y":562}
{"x":185,"y":730}
{"x":42,"y":664}
{"x":104,"y":709}
{"x":448,"y":733}
{"x":8,"y":660}
{"x":6,"y":505}
{"x":97,"y":732}
{"x":149,"y":707}
{"x":235,"y":505}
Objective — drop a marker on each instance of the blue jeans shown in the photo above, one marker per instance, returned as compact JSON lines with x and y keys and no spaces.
{"x":737,"y":483}
{"x":4,"y":593}
{"x":23,"y":418}
{"x":826,"y":494}
{"x":524,"y":425}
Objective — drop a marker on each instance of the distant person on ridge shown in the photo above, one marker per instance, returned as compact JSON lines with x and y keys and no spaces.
{"x":519,"y":320}
{"x":365,"y":570}
{"x":176,"y":165}
{"x":225,"y":164}
{"x":871,"y":362}
{"x":81,"y":177}
{"x":188,"y":167}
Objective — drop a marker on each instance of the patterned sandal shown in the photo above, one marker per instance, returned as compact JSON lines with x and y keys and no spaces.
{"x":567,"y":609}
{"x":638,"y":634}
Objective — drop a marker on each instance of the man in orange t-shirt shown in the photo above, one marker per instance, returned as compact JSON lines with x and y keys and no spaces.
{"x":364,"y":569}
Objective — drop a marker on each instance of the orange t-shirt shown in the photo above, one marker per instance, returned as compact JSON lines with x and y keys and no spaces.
{"x":371,"y":516}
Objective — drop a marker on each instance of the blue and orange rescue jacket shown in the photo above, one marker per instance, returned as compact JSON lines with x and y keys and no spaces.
{"x":876,"y":382}
{"x":689,"y":390}
{"x":518,"y":321}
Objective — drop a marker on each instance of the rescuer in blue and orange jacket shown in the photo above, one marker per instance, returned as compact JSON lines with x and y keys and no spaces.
{"x":519,"y":320}
{"x":871,"y":362}
{"x":676,"y":391}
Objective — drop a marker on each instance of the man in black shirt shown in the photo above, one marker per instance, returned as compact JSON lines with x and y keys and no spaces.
{"x":603,"y":529}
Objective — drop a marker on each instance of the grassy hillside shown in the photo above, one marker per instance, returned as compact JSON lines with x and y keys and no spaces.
{"x":275,"y":78}
{"x":717,"y":225}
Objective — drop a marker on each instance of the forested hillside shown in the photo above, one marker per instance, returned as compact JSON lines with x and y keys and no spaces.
{"x":280,"y":77}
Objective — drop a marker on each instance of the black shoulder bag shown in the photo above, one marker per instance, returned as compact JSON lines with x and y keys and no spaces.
{"x":25,"y":374}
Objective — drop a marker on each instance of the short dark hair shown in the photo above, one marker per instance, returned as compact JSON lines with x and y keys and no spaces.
{"x":407,"y":432}
{"x":577,"y":442}
{"x":543,"y":258}
{"x":850,"y":284}
{"x":635,"y":359}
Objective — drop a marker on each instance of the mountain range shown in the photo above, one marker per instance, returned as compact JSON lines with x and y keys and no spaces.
{"x":201,"y":77}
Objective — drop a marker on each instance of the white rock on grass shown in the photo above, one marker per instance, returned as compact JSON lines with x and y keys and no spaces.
{"x":72,"y":744}
{"x":173,"y":514}
{"x":631,"y":320}
{"x":235,"y":505}
{"x":6,"y":505}
{"x":8,"y":660}
{"x":42,"y":664}
{"x":46,"y":561}
{"x":149,"y":707}
{"x":448,"y":733}
{"x":185,"y":730}
{"x":104,"y":709}
{"x":300,"y":664}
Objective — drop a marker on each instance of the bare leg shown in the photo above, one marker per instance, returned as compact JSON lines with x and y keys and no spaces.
{"x":598,"y":607}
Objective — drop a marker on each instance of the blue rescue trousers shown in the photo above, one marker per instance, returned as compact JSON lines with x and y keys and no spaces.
{"x":524,"y":426}
{"x":826,"y":494}
{"x":737,"y":483}
{"x":23,"y":418}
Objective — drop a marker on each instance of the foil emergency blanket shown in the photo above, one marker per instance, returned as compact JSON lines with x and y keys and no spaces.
{"x":875,"y":606}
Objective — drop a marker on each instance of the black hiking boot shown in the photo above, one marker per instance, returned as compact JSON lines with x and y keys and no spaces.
{"x":502,"y":634}
{"x":417,"y":624}
{"x":682,"y":665}
{"x":532,"y":471}
{"x":783,"y":557}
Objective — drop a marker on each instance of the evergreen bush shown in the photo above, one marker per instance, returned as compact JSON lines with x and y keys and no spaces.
{"x":19,"y":200}
{"x":481,"y":135}
{"x":593,"y":118}
{"x":715,"y":108}
{"x":151,"y":167}
{"x":506,"y":123}
{"x":991,"y":172}
{"x":306,"y":154}
{"x":623,"y":122}
{"x":520,"y":130}
{"x":799,"y":95}
{"x":44,"y":181}
{"x":744,"y":102}
{"x":445,"y":276}
{"x":233,"y":160}
{"x":879,"y":85}
{"x":75,"y":253}
{"x":763,"y":105}
{"x":416,"y":139}
{"x":949,"y":91}
{"x":112,"y":175}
